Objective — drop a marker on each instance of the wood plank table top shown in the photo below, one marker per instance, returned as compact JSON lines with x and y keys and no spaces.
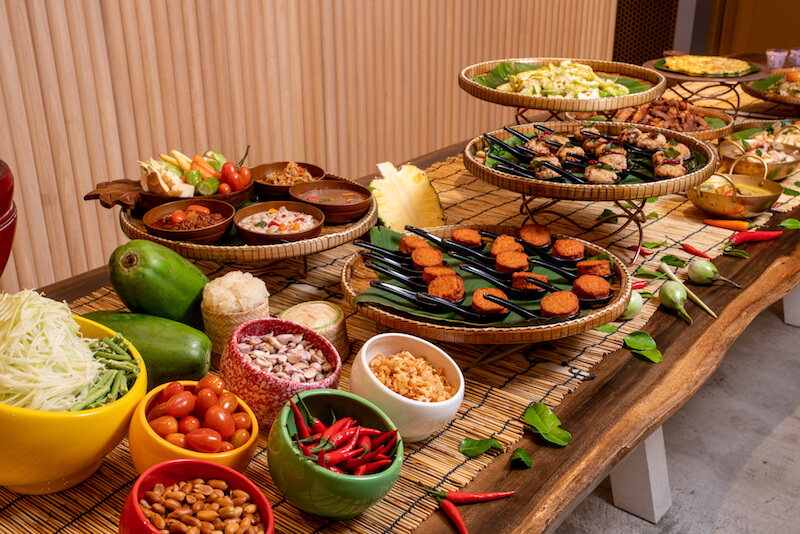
{"x":625,"y":403}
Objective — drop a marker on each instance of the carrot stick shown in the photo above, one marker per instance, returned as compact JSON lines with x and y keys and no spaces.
{"x":739,"y":226}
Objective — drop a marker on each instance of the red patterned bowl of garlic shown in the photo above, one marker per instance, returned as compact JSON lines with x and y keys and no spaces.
{"x":267,"y":361}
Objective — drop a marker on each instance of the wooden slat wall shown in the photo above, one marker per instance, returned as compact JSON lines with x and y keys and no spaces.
{"x":89,"y":88}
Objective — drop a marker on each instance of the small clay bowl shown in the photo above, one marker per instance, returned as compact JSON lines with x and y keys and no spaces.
{"x":326,"y":193}
{"x":258,"y":238}
{"x":275,"y":192}
{"x":209,"y":234}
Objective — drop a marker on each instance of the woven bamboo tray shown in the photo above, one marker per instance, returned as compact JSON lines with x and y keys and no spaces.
{"x":332,"y":236}
{"x":356,"y":278}
{"x":773,"y":97}
{"x":625,"y":70}
{"x":590,"y":192}
{"x":708,"y":135}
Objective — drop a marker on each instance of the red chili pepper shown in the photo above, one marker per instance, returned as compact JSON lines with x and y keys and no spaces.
{"x":336,"y":470}
{"x":386,"y":436}
{"x":692,"y":250}
{"x":300,"y":423}
{"x":305,"y":448}
{"x":642,"y":251}
{"x":336,"y":427}
{"x":321,"y":458}
{"x":372,"y":467}
{"x":344,"y":435}
{"x":454,"y":515}
{"x":461,"y":497}
{"x":639,"y":284}
{"x":372,"y":432}
{"x":337,"y":457}
{"x":316,"y":426}
{"x":761,"y":235}
{"x":364,"y":441}
{"x":351,"y":443}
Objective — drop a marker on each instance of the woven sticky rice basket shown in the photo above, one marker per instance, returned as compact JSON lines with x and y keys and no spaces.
{"x":219,"y":327}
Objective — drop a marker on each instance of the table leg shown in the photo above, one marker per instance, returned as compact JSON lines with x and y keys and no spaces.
{"x":791,"y":307}
{"x":640,"y":483}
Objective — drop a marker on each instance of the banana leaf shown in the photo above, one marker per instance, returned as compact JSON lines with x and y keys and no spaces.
{"x":388,"y":239}
{"x":501,"y":73}
{"x":714,"y":122}
{"x":769,"y":83}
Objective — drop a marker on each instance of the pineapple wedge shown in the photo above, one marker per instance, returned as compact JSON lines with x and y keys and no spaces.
{"x":406,"y":197}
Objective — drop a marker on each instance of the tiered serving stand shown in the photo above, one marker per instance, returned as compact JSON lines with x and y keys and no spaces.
{"x":635,"y":195}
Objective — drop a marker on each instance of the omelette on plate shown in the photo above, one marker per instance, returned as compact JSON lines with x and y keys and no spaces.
{"x":707,"y":65}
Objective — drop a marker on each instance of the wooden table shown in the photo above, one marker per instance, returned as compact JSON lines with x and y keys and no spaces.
{"x":626,"y":402}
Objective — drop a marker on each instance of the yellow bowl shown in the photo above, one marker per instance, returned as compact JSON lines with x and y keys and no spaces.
{"x":44,"y":452}
{"x":148,"y":448}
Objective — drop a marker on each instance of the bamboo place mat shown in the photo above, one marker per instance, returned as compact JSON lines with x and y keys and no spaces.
{"x":496,"y":394}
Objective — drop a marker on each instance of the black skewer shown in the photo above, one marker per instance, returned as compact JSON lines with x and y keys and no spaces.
{"x":528,"y":314}
{"x":547,"y":259}
{"x":407,"y":294}
{"x":564,"y":173}
{"x":391,"y":254}
{"x":443,"y":243}
{"x":519,"y":152}
{"x":463,"y":311}
{"x":413,"y":282}
{"x":522,"y":294}
{"x":399,"y":267}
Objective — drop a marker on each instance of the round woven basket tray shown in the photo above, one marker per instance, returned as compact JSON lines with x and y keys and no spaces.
{"x":707,"y":135}
{"x":589,"y":192}
{"x":773,"y":97}
{"x":356,"y":278}
{"x":332,"y":236}
{"x":624,"y":70}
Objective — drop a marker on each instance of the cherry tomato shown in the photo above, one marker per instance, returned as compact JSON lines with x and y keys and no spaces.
{"x":181,"y":404}
{"x":228,"y":401}
{"x":188,"y":423}
{"x":204,"y":440}
{"x":245,"y":174}
{"x":242,"y":420}
{"x":213,"y":382}
{"x":240,"y":437}
{"x":157,"y":411}
{"x":198,"y":209}
{"x":218,"y":419}
{"x":171,"y":389}
{"x":228,"y":168}
{"x":226,"y":446}
{"x":224,"y":189}
{"x":236,"y":182}
{"x":206,"y":398}
{"x":178,"y":216}
{"x":164,"y":425}
{"x":178,"y":439}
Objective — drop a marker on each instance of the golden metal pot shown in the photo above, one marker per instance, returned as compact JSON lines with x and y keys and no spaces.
{"x":736,"y":205}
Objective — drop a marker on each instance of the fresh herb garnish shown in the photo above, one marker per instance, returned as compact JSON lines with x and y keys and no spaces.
{"x":544,"y":422}
{"x":608,"y":213}
{"x":520,"y":459}
{"x":642,"y":344}
{"x":791,"y":224}
{"x":736,"y":253}
{"x":674,"y":261}
{"x":607,"y":328}
{"x":653,"y":244}
{"x":261,"y":224}
{"x":475,"y":447}
{"x":790,"y":192}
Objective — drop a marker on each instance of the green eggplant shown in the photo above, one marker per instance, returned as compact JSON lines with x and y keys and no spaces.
{"x":215,"y":159}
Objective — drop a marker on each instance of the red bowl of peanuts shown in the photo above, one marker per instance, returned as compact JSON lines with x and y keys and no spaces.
{"x":169,"y":493}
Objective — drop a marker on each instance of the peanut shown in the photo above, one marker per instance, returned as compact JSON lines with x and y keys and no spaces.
{"x":201,"y":507}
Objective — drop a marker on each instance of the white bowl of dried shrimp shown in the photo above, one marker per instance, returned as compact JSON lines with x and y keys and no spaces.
{"x":418,"y":385}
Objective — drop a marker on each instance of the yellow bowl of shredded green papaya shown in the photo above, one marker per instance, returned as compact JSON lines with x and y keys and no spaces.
{"x":68,"y":388}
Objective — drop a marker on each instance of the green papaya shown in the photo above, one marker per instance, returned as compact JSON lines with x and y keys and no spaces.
{"x":170,"y":350}
{"x":153,"y":279}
